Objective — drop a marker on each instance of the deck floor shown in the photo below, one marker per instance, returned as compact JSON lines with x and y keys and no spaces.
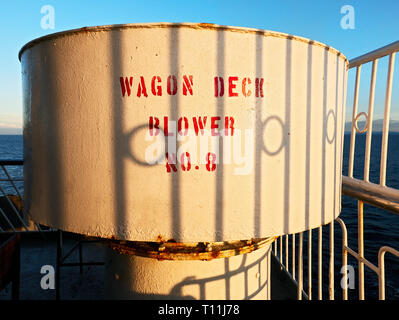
{"x":37,"y":252}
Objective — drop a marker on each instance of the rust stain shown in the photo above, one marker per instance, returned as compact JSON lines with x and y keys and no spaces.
{"x":161,"y":239}
{"x":172,"y":250}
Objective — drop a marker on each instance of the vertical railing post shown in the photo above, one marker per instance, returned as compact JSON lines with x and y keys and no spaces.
{"x":320,"y":271}
{"x":310,"y":265}
{"x":293,"y":256}
{"x":58,"y":265}
{"x":381,"y":269}
{"x":300,"y":266}
{"x":370,"y":122}
{"x":344,"y":268}
{"x":286,"y":251}
{"x":387,"y":111}
{"x":381,"y":275}
{"x":353,"y":130}
{"x":360,"y":242}
{"x":331,"y":270}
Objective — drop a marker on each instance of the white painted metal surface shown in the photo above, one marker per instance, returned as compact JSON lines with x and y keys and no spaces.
{"x":93,"y":96}
{"x":239,"y":277}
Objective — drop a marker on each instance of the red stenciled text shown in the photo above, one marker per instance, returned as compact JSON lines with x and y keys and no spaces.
{"x":185,"y":162}
{"x":141,"y":87}
{"x":197,"y":124}
{"x":236,"y":86}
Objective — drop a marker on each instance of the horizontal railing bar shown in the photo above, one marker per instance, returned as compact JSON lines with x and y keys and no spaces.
{"x":388,"y":249}
{"x":25,"y":232}
{"x":11,"y":162}
{"x":379,"y":190}
{"x":376,"y":54}
{"x":384,"y":204}
{"x":364,"y":260}
{"x":77,"y":264}
{"x":374,"y":194}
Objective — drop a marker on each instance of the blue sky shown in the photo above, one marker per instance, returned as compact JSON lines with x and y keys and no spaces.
{"x":376,"y":24}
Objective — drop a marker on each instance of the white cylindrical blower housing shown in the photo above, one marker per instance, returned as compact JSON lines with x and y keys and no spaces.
{"x":183,"y":132}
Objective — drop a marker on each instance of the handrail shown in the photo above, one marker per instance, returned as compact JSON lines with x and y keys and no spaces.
{"x":373,"y":55}
{"x":380,"y":196}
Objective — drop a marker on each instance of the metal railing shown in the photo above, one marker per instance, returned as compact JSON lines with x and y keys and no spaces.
{"x":378,"y":195}
{"x":13,"y":218}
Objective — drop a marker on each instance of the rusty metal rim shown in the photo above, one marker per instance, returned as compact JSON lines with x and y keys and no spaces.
{"x":180,"y":25}
{"x":188,"y":251}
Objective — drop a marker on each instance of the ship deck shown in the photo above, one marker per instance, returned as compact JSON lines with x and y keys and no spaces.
{"x":37,"y":251}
